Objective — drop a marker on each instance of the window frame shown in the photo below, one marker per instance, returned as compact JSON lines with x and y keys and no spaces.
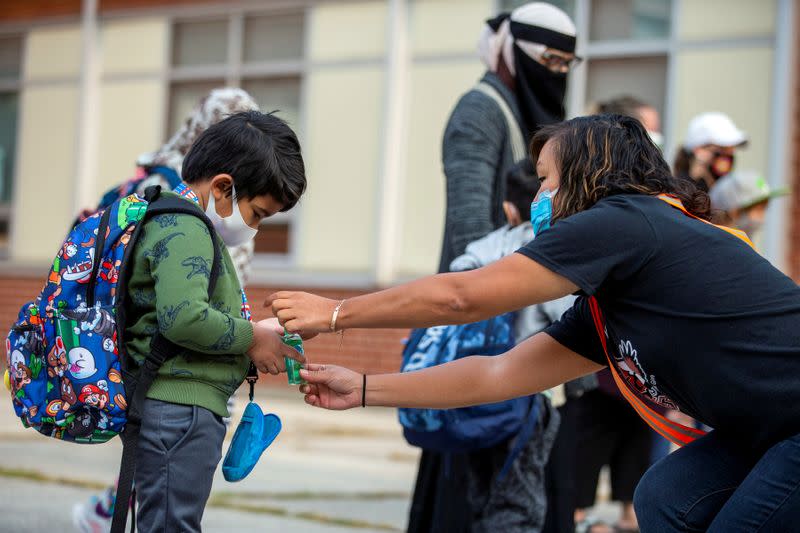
{"x":234,"y":73}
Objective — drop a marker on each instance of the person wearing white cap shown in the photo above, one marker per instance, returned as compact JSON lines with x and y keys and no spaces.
{"x":709,"y":149}
{"x":527,"y":54}
{"x":741,"y":200}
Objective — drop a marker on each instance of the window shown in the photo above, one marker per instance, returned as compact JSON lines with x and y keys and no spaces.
{"x":627,"y":52}
{"x":261,"y":53}
{"x":629,"y":19}
{"x":10,"y":59}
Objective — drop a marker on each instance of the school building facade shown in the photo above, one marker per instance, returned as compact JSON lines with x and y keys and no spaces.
{"x":87,"y":86}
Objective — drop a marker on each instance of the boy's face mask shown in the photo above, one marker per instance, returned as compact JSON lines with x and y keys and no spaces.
{"x":542,"y":211}
{"x":233,"y":230}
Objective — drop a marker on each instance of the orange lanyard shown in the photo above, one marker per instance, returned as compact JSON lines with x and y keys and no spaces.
{"x":670,"y":430}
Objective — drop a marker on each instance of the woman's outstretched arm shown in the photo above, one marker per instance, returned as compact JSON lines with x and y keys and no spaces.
{"x":509,"y":284}
{"x":533,"y":366}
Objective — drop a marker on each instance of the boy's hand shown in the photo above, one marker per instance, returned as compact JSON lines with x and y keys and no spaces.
{"x":301,"y":312}
{"x":268,"y":350}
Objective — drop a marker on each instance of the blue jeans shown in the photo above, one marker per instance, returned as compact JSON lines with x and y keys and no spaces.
{"x":716,"y":486}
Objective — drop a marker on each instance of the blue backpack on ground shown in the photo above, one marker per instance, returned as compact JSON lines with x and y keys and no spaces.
{"x":69,"y":373}
{"x":468,"y":428}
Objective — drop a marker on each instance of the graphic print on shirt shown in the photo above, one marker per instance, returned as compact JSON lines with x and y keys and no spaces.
{"x":626,"y":360}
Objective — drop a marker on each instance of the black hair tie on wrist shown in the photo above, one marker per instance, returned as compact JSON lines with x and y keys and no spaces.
{"x":364,"y":390}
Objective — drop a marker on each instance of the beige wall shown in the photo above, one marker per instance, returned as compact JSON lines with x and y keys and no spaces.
{"x":435,"y":89}
{"x":337,"y":220}
{"x":712,"y":19}
{"x":130,"y":123}
{"x":45,"y":173}
{"x":130,"y":116}
{"x":705,"y":82}
{"x":47,"y":143}
{"x":347,"y":31}
{"x":132,"y":95}
{"x":444,"y":27}
{"x":342,"y":117}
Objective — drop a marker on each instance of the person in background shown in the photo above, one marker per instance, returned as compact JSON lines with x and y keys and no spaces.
{"x":630,"y":106}
{"x":527,"y":55}
{"x":520,"y":502}
{"x":740,"y":199}
{"x":163,"y":167}
{"x":709,"y":150}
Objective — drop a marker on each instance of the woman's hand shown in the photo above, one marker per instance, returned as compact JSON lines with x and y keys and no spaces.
{"x":331,"y":387}
{"x":301,"y":312}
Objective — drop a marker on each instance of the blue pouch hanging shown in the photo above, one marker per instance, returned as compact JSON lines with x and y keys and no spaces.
{"x":253,"y":435}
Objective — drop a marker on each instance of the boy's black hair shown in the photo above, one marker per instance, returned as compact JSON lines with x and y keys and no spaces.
{"x":522,"y":184}
{"x":259,"y":150}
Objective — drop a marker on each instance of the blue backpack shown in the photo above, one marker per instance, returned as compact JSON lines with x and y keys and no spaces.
{"x":69,"y":373}
{"x":468,"y":428}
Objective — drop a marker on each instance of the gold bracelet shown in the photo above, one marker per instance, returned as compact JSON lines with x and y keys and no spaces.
{"x":335,"y":316}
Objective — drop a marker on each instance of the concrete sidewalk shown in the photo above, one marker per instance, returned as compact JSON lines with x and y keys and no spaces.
{"x":327,"y":472}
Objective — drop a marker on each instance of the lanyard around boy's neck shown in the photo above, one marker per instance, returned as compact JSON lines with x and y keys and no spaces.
{"x":184,"y":191}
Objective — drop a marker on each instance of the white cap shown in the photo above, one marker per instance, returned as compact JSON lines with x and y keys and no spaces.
{"x":741,"y":189}
{"x":713,"y":128}
{"x":544,"y":15}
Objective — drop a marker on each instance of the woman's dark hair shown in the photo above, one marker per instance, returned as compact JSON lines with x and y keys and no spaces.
{"x":603,"y":155}
{"x":259,"y":150}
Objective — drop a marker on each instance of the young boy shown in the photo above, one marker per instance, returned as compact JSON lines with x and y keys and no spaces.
{"x":239,"y":171}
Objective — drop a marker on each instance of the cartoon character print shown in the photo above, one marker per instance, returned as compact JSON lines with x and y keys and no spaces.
{"x":81,"y":363}
{"x":95,"y":395}
{"x":68,"y":250}
{"x":631,"y":371}
{"x":93,"y":320}
{"x":131,"y":209}
{"x":19,"y":372}
{"x":57,"y":359}
{"x":68,"y":396}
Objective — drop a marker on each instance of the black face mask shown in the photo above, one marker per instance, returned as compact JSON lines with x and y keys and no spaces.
{"x":720,"y":165}
{"x":540,"y":92}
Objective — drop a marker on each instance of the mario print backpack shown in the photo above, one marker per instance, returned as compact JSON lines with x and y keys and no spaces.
{"x":67,"y":370}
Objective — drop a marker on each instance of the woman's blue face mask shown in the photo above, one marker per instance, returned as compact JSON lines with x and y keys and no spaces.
{"x":542,"y":211}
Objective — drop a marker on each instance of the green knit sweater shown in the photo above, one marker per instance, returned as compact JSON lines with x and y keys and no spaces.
{"x":168,"y":292}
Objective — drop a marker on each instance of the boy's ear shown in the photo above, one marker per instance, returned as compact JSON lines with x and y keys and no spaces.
{"x":512,"y":214}
{"x":222,"y":183}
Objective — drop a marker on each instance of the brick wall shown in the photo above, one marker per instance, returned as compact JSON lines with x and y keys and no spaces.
{"x":794,"y":168}
{"x":369,"y":351}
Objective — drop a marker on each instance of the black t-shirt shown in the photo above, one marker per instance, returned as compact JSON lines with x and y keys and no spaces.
{"x":696,"y":318}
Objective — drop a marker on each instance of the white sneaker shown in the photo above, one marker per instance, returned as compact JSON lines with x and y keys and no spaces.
{"x":89,"y":517}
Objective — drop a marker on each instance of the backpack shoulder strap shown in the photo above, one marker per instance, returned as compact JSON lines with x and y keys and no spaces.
{"x":160,"y":349}
{"x":164,"y":205}
{"x":515,"y":133}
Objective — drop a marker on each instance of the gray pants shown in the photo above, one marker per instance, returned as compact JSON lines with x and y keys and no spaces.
{"x":179,"y":449}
